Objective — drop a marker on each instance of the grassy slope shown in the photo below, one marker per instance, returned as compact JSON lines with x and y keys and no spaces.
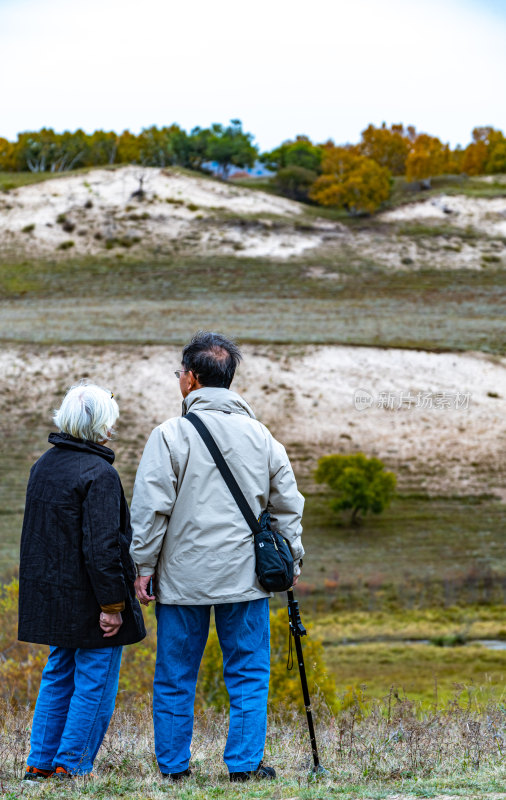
{"x":160,"y":300}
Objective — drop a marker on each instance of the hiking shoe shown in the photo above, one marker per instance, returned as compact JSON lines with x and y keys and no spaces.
{"x":262,"y":771}
{"x":177,"y":776}
{"x":36,"y":774}
{"x":62,"y":774}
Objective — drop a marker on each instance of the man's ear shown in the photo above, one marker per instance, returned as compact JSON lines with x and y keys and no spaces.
{"x":194,"y":381}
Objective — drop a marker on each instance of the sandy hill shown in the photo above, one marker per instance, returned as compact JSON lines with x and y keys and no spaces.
{"x":167,"y":211}
{"x":149,"y":207}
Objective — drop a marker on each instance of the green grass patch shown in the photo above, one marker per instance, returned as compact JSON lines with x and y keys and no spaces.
{"x":470,"y":622}
{"x":143,"y":300}
{"x":418,"y":553}
{"x":416,"y":230}
{"x":14,"y":180}
{"x":423,"y":672}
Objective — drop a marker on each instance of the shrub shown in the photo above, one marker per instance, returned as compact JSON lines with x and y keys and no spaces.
{"x":358,"y":483}
{"x":294,"y":182}
{"x":28,"y":228}
{"x":21,"y":664}
{"x":66,"y":245}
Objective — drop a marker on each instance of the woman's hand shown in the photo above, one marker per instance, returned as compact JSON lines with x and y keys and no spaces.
{"x":110,"y":623}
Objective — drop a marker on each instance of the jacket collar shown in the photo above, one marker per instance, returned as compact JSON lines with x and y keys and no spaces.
{"x":212,"y":398}
{"x":69,"y":442}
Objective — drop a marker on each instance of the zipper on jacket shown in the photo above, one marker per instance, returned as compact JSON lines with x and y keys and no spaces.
{"x":274,"y":540}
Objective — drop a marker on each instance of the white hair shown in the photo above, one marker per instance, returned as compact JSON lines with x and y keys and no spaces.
{"x":87,"y":412}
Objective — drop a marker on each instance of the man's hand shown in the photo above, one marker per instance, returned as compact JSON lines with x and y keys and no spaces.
{"x":141,"y":585}
{"x":295,"y":579}
{"x":110,"y":623}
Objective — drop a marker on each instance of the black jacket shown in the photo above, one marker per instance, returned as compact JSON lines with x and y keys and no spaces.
{"x":75,"y":549}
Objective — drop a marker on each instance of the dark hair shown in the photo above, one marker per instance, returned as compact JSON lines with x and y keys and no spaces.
{"x":212,"y":358}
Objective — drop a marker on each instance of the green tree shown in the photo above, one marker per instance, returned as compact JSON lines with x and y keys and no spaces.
{"x":231,"y":146}
{"x":198,"y":147}
{"x":357,"y":482}
{"x":298,"y":153}
{"x":103,"y":148}
{"x":155,"y":147}
{"x":294,"y":182}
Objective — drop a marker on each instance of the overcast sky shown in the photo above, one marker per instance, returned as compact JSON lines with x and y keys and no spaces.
{"x":325,"y":68}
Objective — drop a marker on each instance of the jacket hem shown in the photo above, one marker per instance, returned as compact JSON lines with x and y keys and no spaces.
{"x":169,"y":600}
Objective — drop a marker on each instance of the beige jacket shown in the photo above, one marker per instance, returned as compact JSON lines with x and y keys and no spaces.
{"x":187,"y":527}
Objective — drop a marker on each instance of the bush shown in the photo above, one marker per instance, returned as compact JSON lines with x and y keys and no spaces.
{"x":21,"y":664}
{"x":294,"y":182}
{"x":358,"y":483}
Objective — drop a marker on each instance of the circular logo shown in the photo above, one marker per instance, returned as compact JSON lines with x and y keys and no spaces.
{"x":362,"y":399}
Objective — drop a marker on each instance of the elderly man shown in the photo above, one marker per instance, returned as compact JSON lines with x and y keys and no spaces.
{"x":189,"y":534}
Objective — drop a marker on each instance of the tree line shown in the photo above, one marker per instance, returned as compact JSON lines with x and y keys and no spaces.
{"x":356,"y":177}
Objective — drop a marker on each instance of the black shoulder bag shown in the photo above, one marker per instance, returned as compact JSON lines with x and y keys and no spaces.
{"x":274,"y":561}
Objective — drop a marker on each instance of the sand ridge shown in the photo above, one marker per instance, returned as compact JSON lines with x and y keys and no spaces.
{"x":307,"y":396}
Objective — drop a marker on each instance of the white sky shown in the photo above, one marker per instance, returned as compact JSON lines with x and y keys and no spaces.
{"x":325,"y":68}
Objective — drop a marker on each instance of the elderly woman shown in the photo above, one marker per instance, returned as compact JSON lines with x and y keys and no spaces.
{"x":76,"y":584}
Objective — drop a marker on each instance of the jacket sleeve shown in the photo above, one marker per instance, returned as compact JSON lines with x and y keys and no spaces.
{"x":285,"y":502}
{"x":101,"y":525}
{"x":153,"y":499}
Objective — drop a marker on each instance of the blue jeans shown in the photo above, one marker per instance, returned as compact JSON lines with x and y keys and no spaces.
{"x":74,"y":707}
{"x":244,"y":635}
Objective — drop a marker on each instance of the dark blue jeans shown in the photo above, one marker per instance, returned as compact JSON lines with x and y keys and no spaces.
{"x":243,"y":631}
{"x":74,"y":707}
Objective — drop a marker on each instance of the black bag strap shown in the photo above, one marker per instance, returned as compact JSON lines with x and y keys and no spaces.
{"x":225,"y":471}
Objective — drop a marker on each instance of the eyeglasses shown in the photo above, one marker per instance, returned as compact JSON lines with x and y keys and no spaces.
{"x":180,"y":372}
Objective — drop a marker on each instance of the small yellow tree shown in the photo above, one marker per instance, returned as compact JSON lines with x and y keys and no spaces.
{"x":426,"y":159}
{"x":350,"y":181}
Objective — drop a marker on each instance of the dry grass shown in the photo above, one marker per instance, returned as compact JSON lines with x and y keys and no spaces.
{"x":372,"y":750}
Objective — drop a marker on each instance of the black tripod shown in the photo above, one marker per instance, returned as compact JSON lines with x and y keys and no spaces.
{"x":297,"y":630}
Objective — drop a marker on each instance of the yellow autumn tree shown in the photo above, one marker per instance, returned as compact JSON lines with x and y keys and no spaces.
{"x":475,"y":158}
{"x":350,"y":181}
{"x":477,"y":155}
{"x":389,"y":147}
{"x":426,"y":159}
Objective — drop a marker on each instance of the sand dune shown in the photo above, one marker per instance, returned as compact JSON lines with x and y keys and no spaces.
{"x":435,"y":441}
